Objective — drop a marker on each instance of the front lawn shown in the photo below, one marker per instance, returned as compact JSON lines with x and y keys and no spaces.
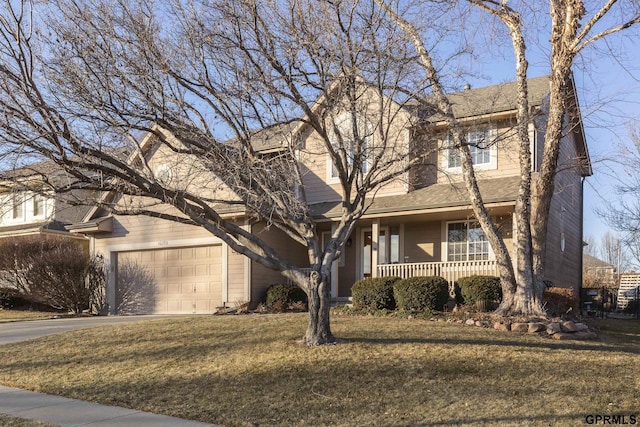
{"x":7,"y":421}
{"x":19,"y":315}
{"x":251,"y":370}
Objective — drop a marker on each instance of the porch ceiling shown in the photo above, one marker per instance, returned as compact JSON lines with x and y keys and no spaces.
{"x":432,"y":198}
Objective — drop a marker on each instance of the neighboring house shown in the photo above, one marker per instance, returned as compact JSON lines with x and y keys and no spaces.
{"x":599,"y":284}
{"x":420,"y":224}
{"x":27,"y":209}
{"x":597,"y":273}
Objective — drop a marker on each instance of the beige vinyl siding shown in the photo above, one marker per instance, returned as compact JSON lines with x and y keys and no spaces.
{"x":235,"y":277}
{"x":132,"y":230}
{"x":563,"y":267}
{"x":262,"y":277}
{"x":315,"y":161}
{"x":422,"y":241}
{"x":347,"y":273}
{"x":187,"y":173}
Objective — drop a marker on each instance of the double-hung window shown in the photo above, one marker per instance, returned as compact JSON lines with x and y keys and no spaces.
{"x":347,"y":140}
{"x":466,"y":242}
{"x":17,"y":207}
{"x":482,"y":147}
{"x":38,"y":205}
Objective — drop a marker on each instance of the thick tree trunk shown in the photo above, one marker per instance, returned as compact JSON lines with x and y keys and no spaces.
{"x":319,"y":296}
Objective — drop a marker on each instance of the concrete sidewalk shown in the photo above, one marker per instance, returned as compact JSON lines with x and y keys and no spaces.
{"x":70,"y":412}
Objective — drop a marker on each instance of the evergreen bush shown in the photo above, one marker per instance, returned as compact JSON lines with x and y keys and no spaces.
{"x":375,"y":293}
{"x":480,"y":288}
{"x":280,"y":296}
{"x":429,"y":293}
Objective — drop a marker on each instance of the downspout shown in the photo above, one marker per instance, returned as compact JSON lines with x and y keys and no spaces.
{"x":581,"y":262}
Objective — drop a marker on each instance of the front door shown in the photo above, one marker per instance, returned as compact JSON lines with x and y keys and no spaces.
{"x":368,"y":250}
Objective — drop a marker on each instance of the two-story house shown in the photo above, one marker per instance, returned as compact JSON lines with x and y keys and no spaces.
{"x":28,"y":209}
{"x":418,"y":224}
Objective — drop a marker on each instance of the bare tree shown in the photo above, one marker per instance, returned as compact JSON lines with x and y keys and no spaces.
{"x":624,"y":213}
{"x":214,"y":83}
{"x":572,"y":29}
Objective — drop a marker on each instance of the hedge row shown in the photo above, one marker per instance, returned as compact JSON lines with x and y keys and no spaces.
{"x":413,"y":294}
{"x":423,"y":293}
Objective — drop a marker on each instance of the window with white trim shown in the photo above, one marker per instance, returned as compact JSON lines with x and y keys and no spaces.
{"x":17,"y":207}
{"x":482,"y":147}
{"x":345,"y":129}
{"x":38,"y":205}
{"x":466,"y":242}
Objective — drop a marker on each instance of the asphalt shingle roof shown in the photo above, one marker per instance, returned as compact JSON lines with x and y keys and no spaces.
{"x":436,"y":196}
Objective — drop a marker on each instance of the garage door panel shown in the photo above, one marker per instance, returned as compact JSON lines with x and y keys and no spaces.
{"x":174,"y":272}
{"x":186,"y":280}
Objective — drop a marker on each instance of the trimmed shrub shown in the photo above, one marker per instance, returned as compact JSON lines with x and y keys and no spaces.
{"x":559,"y":301}
{"x":280,"y":296}
{"x":375,"y":293}
{"x":480,"y":288}
{"x":429,"y":293}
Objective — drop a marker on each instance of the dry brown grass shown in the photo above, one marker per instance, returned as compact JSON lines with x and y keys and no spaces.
{"x":19,"y":315}
{"x":251,"y":370}
{"x":7,"y":421}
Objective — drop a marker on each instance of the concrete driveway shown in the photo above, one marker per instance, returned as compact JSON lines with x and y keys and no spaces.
{"x":21,"y":331}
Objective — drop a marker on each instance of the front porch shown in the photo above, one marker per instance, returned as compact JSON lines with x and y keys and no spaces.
{"x":446,"y":244}
{"x":450,"y":271}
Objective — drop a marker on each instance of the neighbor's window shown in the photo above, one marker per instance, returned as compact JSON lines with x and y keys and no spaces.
{"x":17,"y":207}
{"x":466,"y":242}
{"x":38,"y":205}
{"x":481,"y":146}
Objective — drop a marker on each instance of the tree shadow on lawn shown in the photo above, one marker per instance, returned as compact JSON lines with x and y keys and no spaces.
{"x":544,"y":343}
{"x":550,"y":419}
{"x":329,"y":394}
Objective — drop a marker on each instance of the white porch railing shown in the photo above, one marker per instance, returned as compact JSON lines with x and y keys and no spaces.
{"x":450,"y":271}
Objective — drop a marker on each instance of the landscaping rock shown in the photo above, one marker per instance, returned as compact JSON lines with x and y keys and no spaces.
{"x":502,"y":326}
{"x":584,"y":335}
{"x":482,"y":324}
{"x":470,"y":322}
{"x":569,"y":326}
{"x":581,"y":327}
{"x":553,"y":328}
{"x":519,"y":327}
{"x":535,"y":327}
{"x":563,"y":336}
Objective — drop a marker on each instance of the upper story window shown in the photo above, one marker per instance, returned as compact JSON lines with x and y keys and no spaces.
{"x":38,"y":205}
{"x":482,"y":147}
{"x":466,"y":242}
{"x":344,"y":125}
{"x":17,"y":207}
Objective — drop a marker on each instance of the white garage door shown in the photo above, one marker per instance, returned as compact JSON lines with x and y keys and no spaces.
{"x":185,"y":280}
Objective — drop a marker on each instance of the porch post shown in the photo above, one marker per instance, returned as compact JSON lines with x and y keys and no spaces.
{"x":112,"y":267}
{"x":334,"y":270}
{"x":514,"y":231}
{"x":375,"y":236}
